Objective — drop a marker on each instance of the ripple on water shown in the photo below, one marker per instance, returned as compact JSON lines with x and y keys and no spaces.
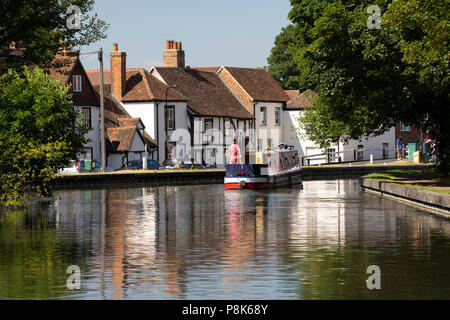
{"x":202,"y":242}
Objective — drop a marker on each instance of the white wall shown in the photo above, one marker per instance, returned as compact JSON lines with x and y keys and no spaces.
{"x":145,"y":111}
{"x":298,"y":139}
{"x":115,"y":160}
{"x":306,"y":147}
{"x":372,"y":145}
{"x":270,"y":130}
{"x":181,"y":122}
{"x":94,"y":134}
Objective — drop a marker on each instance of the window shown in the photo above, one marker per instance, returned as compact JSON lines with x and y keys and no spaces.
{"x":170,"y":117}
{"x":277,"y":116}
{"x":208,"y":125}
{"x":404,"y":127}
{"x":77,"y":87}
{"x":207,"y":129}
{"x":264,"y":116}
{"x":87,"y":117}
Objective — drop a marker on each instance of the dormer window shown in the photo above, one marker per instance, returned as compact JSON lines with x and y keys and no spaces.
{"x":77,"y":83}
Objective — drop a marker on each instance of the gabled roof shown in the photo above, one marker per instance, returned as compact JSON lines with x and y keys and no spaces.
{"x":126,"y":122}
{"x":140,"y":86}
{"x":206,"y":92}
{"x":300,"y":101}
{"x":259,"y":84}
{"x":116,"y":120}
{"x":121,"y":137}
{"x":61,"y":67}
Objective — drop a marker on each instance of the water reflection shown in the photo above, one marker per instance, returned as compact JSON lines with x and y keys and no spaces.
{"x":201,"y":242}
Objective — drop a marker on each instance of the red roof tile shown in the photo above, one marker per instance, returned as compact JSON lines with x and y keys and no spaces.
{"x":206,"y":92}
{"x":140,"y":86}
{"x":121,"y":137}
{"x":259,"y":84}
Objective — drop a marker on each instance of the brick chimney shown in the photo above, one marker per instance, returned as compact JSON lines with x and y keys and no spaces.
{"x":173,"y":55}
{"x":118,"y":72}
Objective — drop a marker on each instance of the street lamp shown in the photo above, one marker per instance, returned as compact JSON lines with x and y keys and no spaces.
{"x":102,"y":114}
{"x":167,"y":89}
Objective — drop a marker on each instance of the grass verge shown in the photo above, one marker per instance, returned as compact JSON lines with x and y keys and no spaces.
{"x":424,"y":179}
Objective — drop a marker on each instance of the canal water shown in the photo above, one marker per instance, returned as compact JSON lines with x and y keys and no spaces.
{"x":202,"y":242}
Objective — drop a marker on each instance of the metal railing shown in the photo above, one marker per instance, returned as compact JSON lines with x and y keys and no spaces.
{"x":349,"y":156}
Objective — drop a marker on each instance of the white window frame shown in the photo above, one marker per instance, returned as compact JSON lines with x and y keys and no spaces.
{"x":77,"y":83}
{"x":87,"y":120}
{"x":168,"y":118}
{"x":210,"y":136}
{"x":264,"y":116}
{"x":277,"y":116}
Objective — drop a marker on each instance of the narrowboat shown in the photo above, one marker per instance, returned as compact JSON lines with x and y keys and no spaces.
{"x":272,"y":169}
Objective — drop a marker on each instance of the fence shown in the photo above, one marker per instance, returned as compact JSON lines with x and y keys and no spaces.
{"x":354,"y":155}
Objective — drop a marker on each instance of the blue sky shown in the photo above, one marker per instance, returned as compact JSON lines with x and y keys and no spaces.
{"x":214,"y":33}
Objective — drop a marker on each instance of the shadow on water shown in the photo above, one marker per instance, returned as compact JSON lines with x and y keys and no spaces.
{"x":197,"y":242}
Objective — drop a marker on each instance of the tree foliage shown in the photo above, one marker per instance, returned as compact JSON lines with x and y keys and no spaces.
{"x":281,"y":60}
{"x":370,"y":79}
{"x":39,"y":25}
{"x":39,"y":132}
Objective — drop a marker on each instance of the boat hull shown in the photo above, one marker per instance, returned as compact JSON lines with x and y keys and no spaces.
{"x":284,"y":179}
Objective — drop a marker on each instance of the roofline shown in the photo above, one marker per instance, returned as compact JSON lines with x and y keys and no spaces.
{"x":196,"y":114}
{"x":71,"y":70}
{"x":222,"y":68}
{"x":154,"y":68}
{"x":89,"y":80}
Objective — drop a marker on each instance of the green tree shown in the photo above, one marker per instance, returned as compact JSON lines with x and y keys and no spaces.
{"x":282,"y":66}
{"x":370,"y":79}
{"x":39,"y":25}
{"x":39,"y":133}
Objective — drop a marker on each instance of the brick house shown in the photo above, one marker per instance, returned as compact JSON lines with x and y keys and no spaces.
{"x":409,"y":134}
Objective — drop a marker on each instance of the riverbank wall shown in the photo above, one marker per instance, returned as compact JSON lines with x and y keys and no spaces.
{"x":438,"y":203}
{"x":209,"y":176}
{"x":166,"y":177}
{"x":335,"y":172}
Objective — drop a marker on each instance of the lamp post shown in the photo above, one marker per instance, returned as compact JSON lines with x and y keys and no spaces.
{"x":102,"y":114}
{"x":165,"y":122}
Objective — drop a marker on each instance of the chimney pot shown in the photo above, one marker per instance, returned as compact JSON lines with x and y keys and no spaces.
{"x":173,"y":55}
{"x":118,"y":72}
{"x":115,"y":47}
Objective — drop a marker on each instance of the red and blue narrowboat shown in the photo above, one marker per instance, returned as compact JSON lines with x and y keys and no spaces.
{"x":272,"y":169}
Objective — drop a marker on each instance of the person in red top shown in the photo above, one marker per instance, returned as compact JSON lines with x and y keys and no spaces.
{"x":234,"y":152}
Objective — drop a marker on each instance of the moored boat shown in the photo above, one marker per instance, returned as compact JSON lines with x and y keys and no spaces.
{"x":273,"y":169}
